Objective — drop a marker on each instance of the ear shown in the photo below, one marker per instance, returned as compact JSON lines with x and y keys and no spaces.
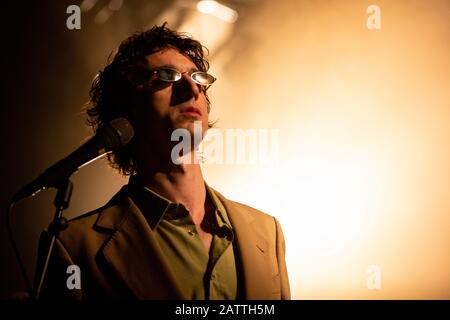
{"x":138,"y":79}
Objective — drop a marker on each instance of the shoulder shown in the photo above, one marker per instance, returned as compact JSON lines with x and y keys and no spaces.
{"x":92,"y":228}
{"x":116,"y":205}
{"x":246,"y":212}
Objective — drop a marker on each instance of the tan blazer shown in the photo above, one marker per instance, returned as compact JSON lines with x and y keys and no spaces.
{"x":119,"y":257}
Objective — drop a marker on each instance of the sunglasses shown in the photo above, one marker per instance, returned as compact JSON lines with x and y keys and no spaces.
{"x":172,"y":75}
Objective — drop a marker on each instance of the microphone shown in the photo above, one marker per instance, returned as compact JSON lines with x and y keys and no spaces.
{"x":107,"y":139}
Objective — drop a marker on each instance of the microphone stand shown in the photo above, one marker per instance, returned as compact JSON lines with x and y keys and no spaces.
{"x":59,"y":223}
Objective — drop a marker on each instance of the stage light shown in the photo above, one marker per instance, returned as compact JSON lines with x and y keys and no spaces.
{"x":218,"y":10}
{"x":87,"y":5}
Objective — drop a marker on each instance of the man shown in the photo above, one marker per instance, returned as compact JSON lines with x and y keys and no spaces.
{"x":167,"y":234}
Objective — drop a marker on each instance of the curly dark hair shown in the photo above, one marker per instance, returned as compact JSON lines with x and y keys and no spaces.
{"x":114,"y":86}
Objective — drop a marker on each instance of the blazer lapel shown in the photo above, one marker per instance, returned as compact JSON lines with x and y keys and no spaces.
{"x":135,"y":256}
{"x":252,"y":250}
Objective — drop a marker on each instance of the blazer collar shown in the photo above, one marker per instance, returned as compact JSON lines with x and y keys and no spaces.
{"x":133,"y":251}
{"x":252,"y":248}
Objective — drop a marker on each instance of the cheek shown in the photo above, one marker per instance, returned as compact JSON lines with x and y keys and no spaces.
{"x":149,"y":113}
{"x":203,"y":104}
{"x":205,"y":110}
{"x":160,"y":102}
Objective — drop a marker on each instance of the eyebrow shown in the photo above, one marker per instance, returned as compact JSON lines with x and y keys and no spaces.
{"x":193,"y":69}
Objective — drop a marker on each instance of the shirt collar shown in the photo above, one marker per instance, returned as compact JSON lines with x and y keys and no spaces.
{"x":156,"y":207}
{"x":221,"y":213}
{"x":153,"y":205}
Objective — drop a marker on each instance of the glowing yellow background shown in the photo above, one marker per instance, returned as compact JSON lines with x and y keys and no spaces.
{"x":364,"y":174}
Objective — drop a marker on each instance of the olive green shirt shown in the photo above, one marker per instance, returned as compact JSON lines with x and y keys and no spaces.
{"x":200,"y":274}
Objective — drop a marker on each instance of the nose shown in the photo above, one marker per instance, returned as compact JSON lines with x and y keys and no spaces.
{"x":184,"y":90}
{"x":193,"y":87}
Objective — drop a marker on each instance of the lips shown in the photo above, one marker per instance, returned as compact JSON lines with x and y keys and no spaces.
{"x":191,"y":111}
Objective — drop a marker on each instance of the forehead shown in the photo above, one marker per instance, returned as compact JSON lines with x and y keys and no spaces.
{"x":170,"y":57}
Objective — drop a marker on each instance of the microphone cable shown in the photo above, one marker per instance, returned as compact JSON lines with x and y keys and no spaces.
{"x":16,"y":250}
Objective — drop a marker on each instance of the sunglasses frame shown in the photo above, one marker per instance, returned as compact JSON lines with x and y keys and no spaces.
{"x":180,"y":75}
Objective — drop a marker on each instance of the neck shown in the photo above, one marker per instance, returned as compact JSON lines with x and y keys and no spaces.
{"x":181,"y":183}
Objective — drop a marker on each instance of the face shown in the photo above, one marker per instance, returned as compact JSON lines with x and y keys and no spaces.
{"x":165,"y":106}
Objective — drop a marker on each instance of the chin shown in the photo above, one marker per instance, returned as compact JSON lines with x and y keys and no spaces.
{"x":191,"y":124}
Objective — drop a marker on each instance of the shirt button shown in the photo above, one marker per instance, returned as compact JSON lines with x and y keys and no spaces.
{"x":191,"y":232}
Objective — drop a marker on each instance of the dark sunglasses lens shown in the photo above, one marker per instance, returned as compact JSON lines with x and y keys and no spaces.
{"x":168,"y":75}
{"x":203,"y":78}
